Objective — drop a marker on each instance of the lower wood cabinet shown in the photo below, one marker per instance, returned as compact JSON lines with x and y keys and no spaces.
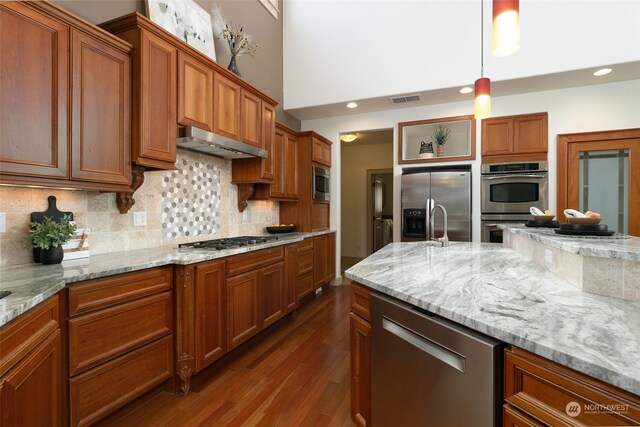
{"x":242,"y":308}
{"x":324,"y":263}
{"x":290,"y":277}
{"x":511,"y":417}
{"x":272,"y":294}
{"x":31,"y":392}
{"x":360,"y":337}
{"x":210,"y":324}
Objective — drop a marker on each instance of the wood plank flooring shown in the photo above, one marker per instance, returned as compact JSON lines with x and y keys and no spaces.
{"x":294,"y":374}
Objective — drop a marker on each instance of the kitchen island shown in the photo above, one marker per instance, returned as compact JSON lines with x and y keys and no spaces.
{"x":493,"y":290}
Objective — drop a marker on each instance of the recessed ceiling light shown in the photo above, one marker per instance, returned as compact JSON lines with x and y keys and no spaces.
{"x":352,"y":105}
{"x":602,"y":72}
{"x":466,"y":89}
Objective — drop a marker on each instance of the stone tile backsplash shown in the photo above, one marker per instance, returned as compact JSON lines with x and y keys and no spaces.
{"x":207,"y":179}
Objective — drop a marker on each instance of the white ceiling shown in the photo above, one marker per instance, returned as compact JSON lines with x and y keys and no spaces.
{"x":576,"y":78}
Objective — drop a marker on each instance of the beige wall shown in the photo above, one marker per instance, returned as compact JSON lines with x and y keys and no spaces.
{"x":263,"y":70}
{"x":356,"y":159}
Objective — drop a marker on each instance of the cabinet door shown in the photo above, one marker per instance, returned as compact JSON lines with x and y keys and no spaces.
{"x":511,"y":417}
{"x":291,"y":166}
{"x":268,"y":140}
{"x":319,"y":261}
{"x":242,"y":308}
{"x":210,"y":313}
{"x":272,"y":294}
{"x":31,"y":392}
{"x":277,"y":190}
{"x":497,"y":136}
{"x":360,"y":332}
{"x":530,"y":134}
{"x":101,"y":118}
{"x":34,"y":92}
{"x":195,"y":93}
{"x":330,"y":256}
{"x":290,"y":277}
{"x":226,"y":107}
{"x":155,"y":140}
{"x":251,"y":120}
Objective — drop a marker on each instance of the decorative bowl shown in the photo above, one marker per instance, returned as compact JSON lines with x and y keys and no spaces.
{"x":584,"y":221}
{"x":543,"y":217}
{"x":276,"y":229}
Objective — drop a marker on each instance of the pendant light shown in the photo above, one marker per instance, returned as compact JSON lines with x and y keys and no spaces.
{"x":506,"y":27}
{"x":482,"y":86}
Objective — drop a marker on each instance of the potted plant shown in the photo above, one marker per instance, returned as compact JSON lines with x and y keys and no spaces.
{"x":49,"y":236}
{"x":440,"y":137}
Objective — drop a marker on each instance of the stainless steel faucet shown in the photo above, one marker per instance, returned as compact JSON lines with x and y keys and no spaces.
{"x":444,"y":240}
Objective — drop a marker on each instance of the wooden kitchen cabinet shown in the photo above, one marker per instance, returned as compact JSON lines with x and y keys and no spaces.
{"x":101,"y":118}
{"x":155,"y":81}
{"x":242,"y":308}
{"x":195,"y":93}
{"x":227,"y":97}
{"x":272,"y":294}
{"x":120,"y":340}
{"x":324,"y":264}
{"x":31,"y":390}
{"x":360,"y":353}
{"x":290,"y":277}
{"x":321,"y":151}
{"x":251,"y":118}
{"x":66,"y":90}
{"x":514,"y":138}
{"x":543,"y":392}
{"x":210,"y":313}
{"x":285,"y":165}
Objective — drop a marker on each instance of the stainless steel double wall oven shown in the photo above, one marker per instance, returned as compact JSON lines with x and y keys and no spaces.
{"x":508,"y":191}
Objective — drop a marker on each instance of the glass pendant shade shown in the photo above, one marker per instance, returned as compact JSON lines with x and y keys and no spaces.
{"x":482,"y":101}
{"x":506,"y":27}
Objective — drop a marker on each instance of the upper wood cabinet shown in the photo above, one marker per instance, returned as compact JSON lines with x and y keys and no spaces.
{"x":285,"y":165}
{"x":66,"y":100}
{"x":321,"y":151}
{"x":268,"y":140}
{"x":227,"y":96}
{"x":514,"y":138}
{"x":195,"y":93}
{"x":250,"y":118}
{"x":101,"y":121}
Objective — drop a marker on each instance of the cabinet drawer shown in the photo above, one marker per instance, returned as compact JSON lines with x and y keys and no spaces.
{"x":360,"y":301}
{"x":100,"y":293}
{"x":511,"y":417}
{"x":305,"y":245}
{"x":103,"y":335}
{"x":22,"y":335}
{"x":305,"y":262}
{"x":252,"y":260}
{"x":546,"y":391}
{"x":99,"y":392}
{"x":304,"y":285}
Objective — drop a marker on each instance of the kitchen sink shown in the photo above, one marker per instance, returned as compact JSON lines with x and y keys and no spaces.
{"x":4,"y":294}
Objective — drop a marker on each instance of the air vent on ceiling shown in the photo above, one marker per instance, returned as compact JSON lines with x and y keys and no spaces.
{"x":403,"y":99}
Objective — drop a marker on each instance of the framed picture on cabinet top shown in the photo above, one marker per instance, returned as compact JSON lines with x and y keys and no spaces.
{"x":185,"y":20}
{"x":437,"y":140}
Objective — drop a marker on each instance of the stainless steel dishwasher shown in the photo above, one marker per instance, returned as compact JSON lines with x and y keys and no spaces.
{"x":428,"y":371}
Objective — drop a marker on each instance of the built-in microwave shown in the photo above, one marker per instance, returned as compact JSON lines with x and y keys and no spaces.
{"x":321,"y":183}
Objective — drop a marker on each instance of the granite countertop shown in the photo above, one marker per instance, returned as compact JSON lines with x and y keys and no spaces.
{"x":491,"y":289}
{"x":31,"y":284}
{"x":627,"y":248}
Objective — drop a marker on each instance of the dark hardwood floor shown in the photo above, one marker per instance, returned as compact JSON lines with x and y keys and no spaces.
{"x":294,"y":374}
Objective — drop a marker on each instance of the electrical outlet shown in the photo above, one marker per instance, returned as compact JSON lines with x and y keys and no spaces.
{"x":3,"y":222}
{"x":318,"y":291}
{"x":139,"y":219}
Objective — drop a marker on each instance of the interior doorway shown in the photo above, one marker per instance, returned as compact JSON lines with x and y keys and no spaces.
{"x":361,"y":153}
{"x":600,"y":172}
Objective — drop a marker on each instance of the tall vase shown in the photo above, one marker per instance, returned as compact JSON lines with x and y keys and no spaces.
{"x":440,"y":150}
{"x":233,"y":66}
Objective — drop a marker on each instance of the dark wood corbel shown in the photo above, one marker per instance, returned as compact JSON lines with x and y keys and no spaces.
{"x":245,"y":191}
{"x":125,"y":200}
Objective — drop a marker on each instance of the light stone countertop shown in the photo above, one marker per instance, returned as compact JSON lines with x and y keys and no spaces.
{"x":31,"y":284}
{"x":627,"y":249}
{"x":491,"y":289}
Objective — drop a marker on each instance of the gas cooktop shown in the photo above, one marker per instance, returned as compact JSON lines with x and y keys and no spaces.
{"x":228,"y":243}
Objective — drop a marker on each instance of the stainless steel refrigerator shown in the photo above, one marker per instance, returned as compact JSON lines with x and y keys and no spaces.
{"x":423,"y":189}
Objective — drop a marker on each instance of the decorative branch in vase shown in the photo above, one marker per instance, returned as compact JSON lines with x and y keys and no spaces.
{"x":239,"y":42}
{"x":440,"y":137}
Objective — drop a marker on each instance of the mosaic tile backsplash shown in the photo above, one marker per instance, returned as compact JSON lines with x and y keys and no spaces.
{"x":191,"y":199}
{"x":112,"y":231}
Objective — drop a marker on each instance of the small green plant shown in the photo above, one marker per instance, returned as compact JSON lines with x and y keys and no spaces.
{"x":440,"y":135}
{"x":49,"y":234}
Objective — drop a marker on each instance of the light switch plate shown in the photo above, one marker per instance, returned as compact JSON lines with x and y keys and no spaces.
{"x":3,"y":222}
{"x":139,"y":219}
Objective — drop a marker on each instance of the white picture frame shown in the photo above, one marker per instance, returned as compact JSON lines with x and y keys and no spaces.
{"x":186,"y":20}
